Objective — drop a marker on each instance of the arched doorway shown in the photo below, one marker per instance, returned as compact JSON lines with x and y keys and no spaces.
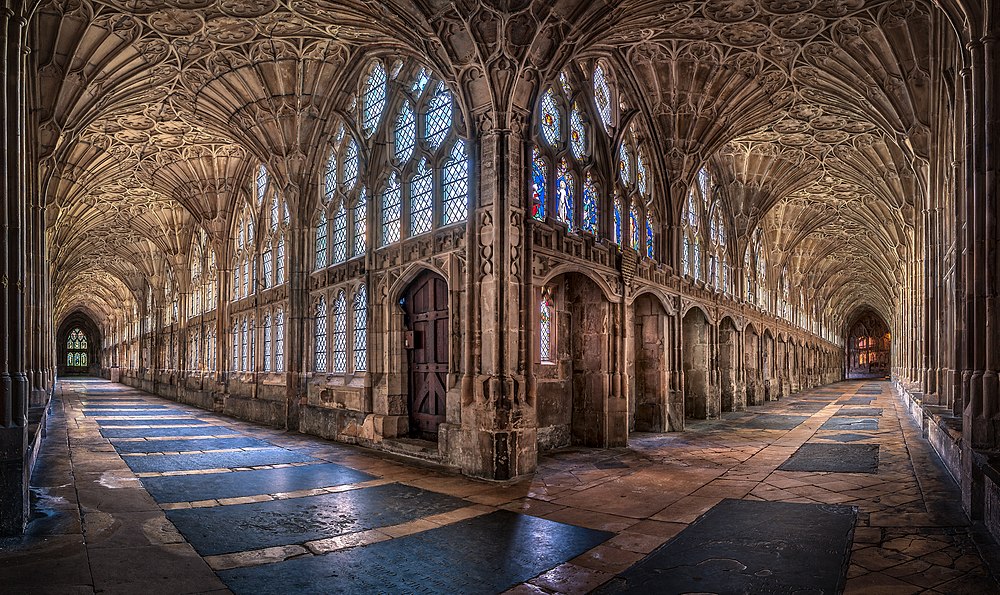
{"x":767,"y":365}
{"x":697,"y":348}
{"x":728,"y":362}
{"x":650,"y":388}
{"x":572,"y":372}
{"x":425,"y":339}
{"x":868,"y":346}
{"x":78,"y":344}
{"x":751,"y":366}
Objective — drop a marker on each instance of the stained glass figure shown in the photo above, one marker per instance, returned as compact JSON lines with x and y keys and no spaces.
{"x":564,"y":194}
{"x":618,"y":218}
{"x":589,"y":205}
{"x":650,"y":234}
{"x":634,"y":229}
{"x":538,"y":186}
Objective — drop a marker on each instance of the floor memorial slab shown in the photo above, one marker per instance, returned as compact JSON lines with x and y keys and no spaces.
{"x":186,"y":430}
{"x":188,"y":488}
{"x":856,"y":424}
{"x":133,"y":412}
{"x":191,"y":462}
{"x":160,"y":421}
{"x":838,"y":458}
{"x":847,"y":437}
{"x":857,"y":401}
{"x":486,"y":554}
{"x":742,"y":546}
{"x":770,"y":421}
{"x":189,"y":445}
{"x":243,"y":527}
{"x":859,"y":412}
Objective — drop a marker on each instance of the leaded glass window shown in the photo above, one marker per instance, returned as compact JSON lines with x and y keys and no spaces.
{"x":330,"y":179}
{"x":244,"y":346}
{"x":550,"y":118}
{"x":279,"y":341}
{"x":246,"y":277}
{"x":76,"y":346}
{"x":438,"y":119}
{"x":564,"y":194}
{"x":236,"y":346}
{"x":373,"y":98}
{"x":538,"y":186}
{"x":545,"y":328}
{"x":624,"y":164}
{"x":267,"y":343}
{"x":602,"y":96}
{"x":406,"y":132}
{"x":321,"y":238}
{"x":456,"y":185}
{"x":279,"y":268}
{"x":577,"y":133}
{"x":361,"y":329}
{"x":640,"y":173}
{"x":351,"y":166}
{"x":340,"y":234}
{"x":267,"y":265}
{"x":392,"y":207}
{"x":360,"y":223}
{"x":650,"y":233}
{"x":319,"y":337}
{"x":340,"y":334}
{"x":260,"y":185}
{"x":421,"y":200}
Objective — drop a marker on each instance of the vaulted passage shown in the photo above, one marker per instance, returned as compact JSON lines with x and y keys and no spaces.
{"x":486,"y":234}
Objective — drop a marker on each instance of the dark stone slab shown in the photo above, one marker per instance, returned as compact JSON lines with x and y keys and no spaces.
{"x":612,"y":464}
{"x":808,"y":406}
{"x":772,"y":421}
{"x":859,"y":411}
{"x":241,"y":527}
{"x":838,"y":458}
{"x":857,"y":424}
{"x":486,"y":554}
{"x":133,"y":412}
{"x":116,"y":407}
{"x":188,"y":430}
{"x":857,"y":401}
{"x":742,"y":546}
{"x":249,"y":458}
{"x":189,"y":445}
{"x":848,"y":437}
{"x":188,"y":488}
{"x":180,"y":421}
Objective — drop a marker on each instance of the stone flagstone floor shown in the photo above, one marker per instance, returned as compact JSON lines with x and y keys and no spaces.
{"x":136,"y":494}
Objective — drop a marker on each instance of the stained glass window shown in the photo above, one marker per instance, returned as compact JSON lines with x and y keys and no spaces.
{"x":279,"y":341}
{"x":650,"y":242}
{"x":321,"y":238}
{"x":704,"y":184}
{"x":361,"y":329}
{"x":319,"y":339}
{"x":589,"y":205}
{"x":577,"y":133}
{"x":374,"y":98}
{"x":76,"y":345}
{"x":267,"y":265}
{"x":602,"y":96}
{"x":456,"y":185}
{"x":618,"y":218}
{"x":351,"y":165}
{"x":360,"y":223}
{"x":406,"y":132}
{"x":538,"y":186}
{"x":77,"y":340}
{"x":545,"y":317}
{"x":391,"y":211}
{"x":421,"y":200}
{"x":340,"y":234}
{"x":634,"y":229}
{"x":625,"y":164}
{"x":438,"y":118}
{"x":340,"y":334}
{"x":550,"y":118}
{"x":564,"y":194}
{"x":267,"y":343}
{"x":640,"y":173}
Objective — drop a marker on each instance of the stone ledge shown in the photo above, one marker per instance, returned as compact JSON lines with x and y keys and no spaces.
{"x":939,"y":426}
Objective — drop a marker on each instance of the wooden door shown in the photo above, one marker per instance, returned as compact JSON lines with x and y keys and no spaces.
{"x":426,"y":342}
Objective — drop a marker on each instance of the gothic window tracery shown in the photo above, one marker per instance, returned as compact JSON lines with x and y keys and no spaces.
{"x":546,"y":312}
{"x":361,"y":329}
{"x":319,"y":337}
{"x":76,"y":349}
{"x":340,"y":333}
{"x":244,"y":248}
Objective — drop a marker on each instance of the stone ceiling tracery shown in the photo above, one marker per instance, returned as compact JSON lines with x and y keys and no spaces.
{"x":815,"y":114}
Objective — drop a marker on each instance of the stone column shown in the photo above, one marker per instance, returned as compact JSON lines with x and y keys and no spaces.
{"x":14,"y":388}
{"x":297,"y":314}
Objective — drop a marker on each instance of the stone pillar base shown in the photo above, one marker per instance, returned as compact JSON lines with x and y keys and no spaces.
{"x":14,"y":506}
{"x":488,"y":454}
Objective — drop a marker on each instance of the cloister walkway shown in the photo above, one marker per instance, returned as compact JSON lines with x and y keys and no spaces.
{"x":831,"y":489}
